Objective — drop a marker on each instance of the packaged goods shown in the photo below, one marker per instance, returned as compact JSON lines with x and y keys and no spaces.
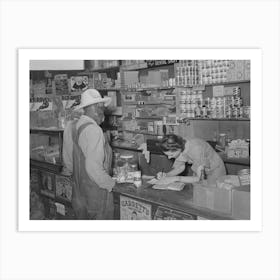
{"x":61,"y":84}
{"x":79,"y":83}
{"x":38,"y":87}
{"x":131,"y":209}
{"x":244,"y":176}
{"x":217,"y":199}
{"x":228,"y":182}
{"x":247,"y":69}
{"x":241,"y":203}
{"x":175,"y":186}
{"x":238,"y":149}
{"x":218,"y":91}
{"x":222,"y":140}
{"x":64,"y":187}
{"x":247,"y":112}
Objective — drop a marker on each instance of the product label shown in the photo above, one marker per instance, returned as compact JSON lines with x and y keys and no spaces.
{"x":131,"y":209}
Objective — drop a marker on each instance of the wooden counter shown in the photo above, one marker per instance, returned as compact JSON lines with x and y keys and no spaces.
{"x":176,"y":200}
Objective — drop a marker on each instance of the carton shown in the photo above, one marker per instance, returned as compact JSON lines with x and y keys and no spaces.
{"x":131,"y":78}
{"x":154,"y":78}
{"x":241,"y":203}
{"x":236,"y":70}
{"x":212,"y":198}
{"x":247,"y":67}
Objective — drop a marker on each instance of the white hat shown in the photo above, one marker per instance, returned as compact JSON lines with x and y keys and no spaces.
{"x":92,"y":96}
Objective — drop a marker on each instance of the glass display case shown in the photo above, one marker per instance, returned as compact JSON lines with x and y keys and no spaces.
{"x":46,"y":148}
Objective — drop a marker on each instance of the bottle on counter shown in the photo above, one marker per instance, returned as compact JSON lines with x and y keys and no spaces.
{"x":116,"y":158}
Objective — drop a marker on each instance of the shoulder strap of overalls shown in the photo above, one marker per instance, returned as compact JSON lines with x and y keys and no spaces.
{"x":81,"y":128}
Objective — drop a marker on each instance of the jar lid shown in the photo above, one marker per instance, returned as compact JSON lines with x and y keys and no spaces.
{"x":126,"y":156}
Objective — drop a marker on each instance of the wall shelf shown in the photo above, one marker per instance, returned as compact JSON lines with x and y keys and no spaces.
{"x":141,"y":132}
{"x":46,"y":130}
{"x":42,"y":165}
{"x":148,"y":88}
{"x":228,"y":83}
{"x":224,"y":119}
{"x":108,"y":89}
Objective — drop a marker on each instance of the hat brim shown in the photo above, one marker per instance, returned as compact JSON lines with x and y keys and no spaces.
{"x":106,"y":100}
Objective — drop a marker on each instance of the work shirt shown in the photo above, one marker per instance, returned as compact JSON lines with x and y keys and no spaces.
{"x":199,"y":153}
{"x":92,"y":144}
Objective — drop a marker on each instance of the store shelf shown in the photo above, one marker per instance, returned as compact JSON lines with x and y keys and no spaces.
{"x":187,"y":86}
{"x":144,"y":66}
{"x":46,"y":166}
{"x":228,"y":83}
{"x":149,"y":118}
{"x":141,"y":132}
{"x":108,"y":89}
{"x":148,"y":88}
{"x":224,"y":119}
{"x":214,"y":84}
{"x":135,"y":149}
{"x":39,"y":130}
{"x":238,"y":161}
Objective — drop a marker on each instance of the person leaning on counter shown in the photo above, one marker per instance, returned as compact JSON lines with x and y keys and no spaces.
{"x":193,"y":151}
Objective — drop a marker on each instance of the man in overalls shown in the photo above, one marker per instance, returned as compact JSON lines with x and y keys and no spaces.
{"x":91,"y":160}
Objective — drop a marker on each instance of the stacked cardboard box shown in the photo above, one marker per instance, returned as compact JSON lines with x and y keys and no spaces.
{"x":238,"y":70}
{"x":212,"y":198}
{"x":235,"y":201}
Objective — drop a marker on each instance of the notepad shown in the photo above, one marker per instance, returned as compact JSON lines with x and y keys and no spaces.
{"x":175,"y":186}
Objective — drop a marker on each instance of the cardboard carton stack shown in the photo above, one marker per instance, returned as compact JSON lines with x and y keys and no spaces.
{"x":227,"y":198}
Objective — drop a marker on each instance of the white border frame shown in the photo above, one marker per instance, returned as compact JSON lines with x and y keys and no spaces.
{"x":25,"y":55}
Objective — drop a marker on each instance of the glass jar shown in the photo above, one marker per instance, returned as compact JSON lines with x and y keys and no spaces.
{"x":116,"y":158}
{"x":222,"y":139}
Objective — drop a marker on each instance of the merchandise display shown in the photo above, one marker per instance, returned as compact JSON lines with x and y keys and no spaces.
{"x":206,"y":99}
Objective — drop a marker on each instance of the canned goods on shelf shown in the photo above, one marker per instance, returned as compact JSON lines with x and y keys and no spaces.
{"x":235,"y":112}
{"x":244,"y":176}
{"x":246,"y":111}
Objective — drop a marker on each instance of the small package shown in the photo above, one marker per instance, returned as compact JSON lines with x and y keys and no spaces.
{"x":241,"y":203}
{"x":217,"y":199}
{"x":238,"y":149}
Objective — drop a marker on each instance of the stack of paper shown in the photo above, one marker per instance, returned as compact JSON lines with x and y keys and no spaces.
{"x":175,"y":186}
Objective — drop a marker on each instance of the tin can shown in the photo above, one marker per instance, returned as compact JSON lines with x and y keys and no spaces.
{"x":244,"y":176}
{"x":137,"y":175}
{"x":207,"y":102}
{"x":222,"y":139}
{"x":182,"y":107}
{"x":228,"y":112}
{"x":183,"y":111}
{"x":220,"y":112}
{"x":213,"y":113}
{"x":197,"y":112}
{"x":246,"y":111}
{"x":241,"y":113}
{"x":235,"y":112}
{"x":237,"y":91}
{"x":213,"y":102}
{"x":238,"y":101}
{"x":204,"y":112}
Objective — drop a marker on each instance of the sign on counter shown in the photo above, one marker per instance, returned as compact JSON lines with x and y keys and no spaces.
{"x":131,"y":209}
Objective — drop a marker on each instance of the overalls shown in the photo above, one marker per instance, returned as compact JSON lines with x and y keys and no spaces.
{"x":89,"y":201}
